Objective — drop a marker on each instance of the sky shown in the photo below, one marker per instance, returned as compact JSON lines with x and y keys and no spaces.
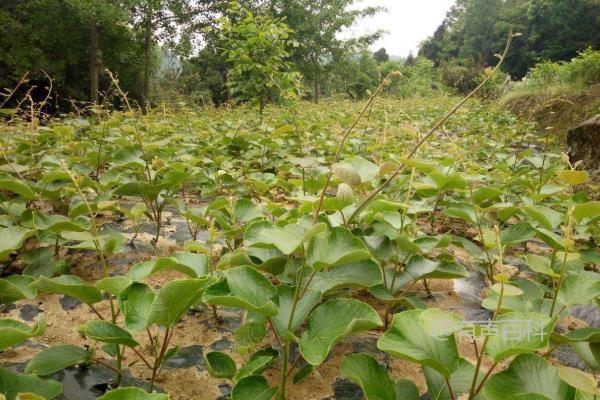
{"x":407,"y":22}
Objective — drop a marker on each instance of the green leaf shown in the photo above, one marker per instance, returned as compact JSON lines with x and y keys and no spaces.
{"x":175,"y":299}
{"x":114,"y":284}
{"x":136,"y":304}
{"x":12,"y":239}
{"x":16,"y":287}
{"x":12,"y":384}
{"x":220,"y":365}
{"x":133,"y":393}
{"x":246,"y":288}
{"x":331,"y":321}
{"x":579,"y":288}
{"x":14,"y":332}
{"x":253,"y":387}
{"x":372,"y":378}
{"x":578,"y":379}
{"x":287,"y":239}
{"x":519,"y":333}
{"x":257,"y":363}
{"x":303,"y":373}
{"x":463,"y":211}
{"x":408,"y":339}
{"x":57,"y":358}
{"x":337,"y":247}
{"x":517,"y":233}
{"x":486,"y":193}
{"x":540,"y":264}
{"x":571,"y":177}
{"x":303,"y":307}
{"x":365,"y":169}
{"x":590,"y":209}
{"x":251,"y":333}
{"x":245,"y":211}
{"x":547,"y":217}
{"x":460,"y":381}
{"x":527,"y":376}
{"x":191,"y":264}
{"x":107,"y":332}
{"x":69,"y":285}
{"x":15,"y":185}
{"x":364,"y":273}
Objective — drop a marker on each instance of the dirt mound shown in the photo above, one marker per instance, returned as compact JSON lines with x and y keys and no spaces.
{"x":560,"y":110}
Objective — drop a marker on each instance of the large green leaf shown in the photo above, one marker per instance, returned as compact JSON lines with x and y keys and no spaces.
{"x":107,"y":332}
{"x":12,"y":239}
{"x":287,"y":239}
{"x":245,"y":211}
{"x":272,"y":261}
{"x":57,"y":358}
{"x":16,"y":287}
{"x":337,"y":247}
{"x":579,"y":288}
{"x":545,"y":216}
{"x":331,"y":321}
{"x":527,"y":376}
{"x":590,"y":209}
{"x":517,"y":233}
{"x":246,"y":288}
{"x":133,"y":393}
{"x":14,"y":332}
{"x":12,"y":384}
{"x":191,"y":264}
{"x":69,"y":285}
{"x":15,"y":185}
{"x":254,"y":387}
{"x":372,"y":378}
{"x":408,"y":339}
{"x":303,"y":307}
{"x":174,"y":299}
{"x":136,"y":304}
{"x":364,"y":273}
{"x":114,"y":284}
{"x":517,"y":333}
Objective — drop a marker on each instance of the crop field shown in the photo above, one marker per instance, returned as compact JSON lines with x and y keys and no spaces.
{"x":317,"y":253}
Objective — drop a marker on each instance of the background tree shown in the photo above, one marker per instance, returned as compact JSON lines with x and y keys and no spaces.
{"x":174,"y":22}
{"x":256,"y":48}
{"x":316,"y":25}
{"x":381,"y":55}
{"x":56,"y":36}
{"x":474,"y":30}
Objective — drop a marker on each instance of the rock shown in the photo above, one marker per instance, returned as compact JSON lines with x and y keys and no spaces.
{"x":584,"y":142}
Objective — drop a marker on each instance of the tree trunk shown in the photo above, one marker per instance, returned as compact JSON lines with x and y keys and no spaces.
{"x":94,"y":61}
{"x":147,"y":64}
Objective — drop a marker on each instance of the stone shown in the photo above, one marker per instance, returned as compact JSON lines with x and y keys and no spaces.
{"x":584,"y":146}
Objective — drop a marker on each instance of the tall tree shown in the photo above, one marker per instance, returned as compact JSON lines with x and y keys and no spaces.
{"x":96,"y":14}
{"x":317,"y":25}
{"x":171,"y":21}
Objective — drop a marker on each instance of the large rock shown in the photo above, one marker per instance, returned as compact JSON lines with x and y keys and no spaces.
{"x":584,"y":146}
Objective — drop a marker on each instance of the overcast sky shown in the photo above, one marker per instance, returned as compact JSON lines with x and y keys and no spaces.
{"x":408,"y":22}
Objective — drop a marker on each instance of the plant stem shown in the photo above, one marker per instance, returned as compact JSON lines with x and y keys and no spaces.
{"x":558,"y":284}
{"x":449,"y":388}
{"x":338,"y":153}
{"x":435,"y":127}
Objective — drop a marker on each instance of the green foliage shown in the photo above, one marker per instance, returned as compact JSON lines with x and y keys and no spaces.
{"x":256,"y":47}
{"x":551,"y":30}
